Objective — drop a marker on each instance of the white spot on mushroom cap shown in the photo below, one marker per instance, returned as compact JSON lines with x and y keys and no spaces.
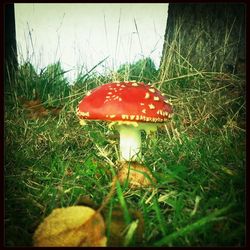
{"x":125,"y":116}
{"x":135,"y":84}
{"x":151,"y":106}
{"x":165,"y":113}
{"x":80,"y":113}
{"x":168,"y":102}
{"x":152,"y":90}
{"x":159,"y":112}
{"x":147,"y":95}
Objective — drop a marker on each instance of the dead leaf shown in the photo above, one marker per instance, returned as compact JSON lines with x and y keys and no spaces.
{"x":69,"y":171}
{"x":71,"y":226}
{"x":55,"y":110}
{"x":137,"y":175}
{"x":35,"y":109}
{"x":118,"y":227}
{"x":32,"y":104}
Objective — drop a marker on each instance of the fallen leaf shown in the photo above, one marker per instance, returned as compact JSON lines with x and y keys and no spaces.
{"x":35,"y":109}
{"x":118,"y":227}
{"x":37,"y":113}
{"x":32,"y":104}
{"x":137,"y":175}
{"x":69,"y":171}
{"x":71,"y":226}
{"x":55,"y":110}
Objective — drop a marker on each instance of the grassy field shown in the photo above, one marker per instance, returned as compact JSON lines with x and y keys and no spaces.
{"x":198,"y":159}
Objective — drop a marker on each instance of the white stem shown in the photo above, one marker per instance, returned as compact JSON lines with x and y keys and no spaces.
{"x":130,"y":143}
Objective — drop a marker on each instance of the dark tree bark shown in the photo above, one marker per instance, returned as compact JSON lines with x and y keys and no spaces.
{"x":203,"y":37}
{"x":10,"y":48}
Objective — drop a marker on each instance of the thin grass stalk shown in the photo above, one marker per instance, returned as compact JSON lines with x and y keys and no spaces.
{"x":192,"y":227}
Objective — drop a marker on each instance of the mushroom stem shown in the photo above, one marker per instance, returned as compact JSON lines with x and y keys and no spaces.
{"x":130,"y":143}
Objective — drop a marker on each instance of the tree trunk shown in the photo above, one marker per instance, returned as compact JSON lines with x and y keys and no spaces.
{"x":10,"y":52}
{"x":203,"y":37}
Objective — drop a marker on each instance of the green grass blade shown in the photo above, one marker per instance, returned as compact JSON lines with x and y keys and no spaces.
{"x":131,"y":232}
{"x":196,"y":225}
{"x":159,"y":216}
{"x":121,"y":199}
{"x":123,"y":203}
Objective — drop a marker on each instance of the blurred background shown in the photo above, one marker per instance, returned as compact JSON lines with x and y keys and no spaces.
{"x":82,"y":35}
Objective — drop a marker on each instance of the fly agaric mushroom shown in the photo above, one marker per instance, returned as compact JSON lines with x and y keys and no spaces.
{"x":130,"y":107}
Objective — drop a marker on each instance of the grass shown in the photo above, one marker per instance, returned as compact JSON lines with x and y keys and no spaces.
{"x":198,"y":159}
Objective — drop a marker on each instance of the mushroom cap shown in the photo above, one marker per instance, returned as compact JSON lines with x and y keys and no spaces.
{"x":125,"y":101}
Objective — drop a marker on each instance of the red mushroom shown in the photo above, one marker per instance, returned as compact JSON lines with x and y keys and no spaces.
{"x":130,"y":107}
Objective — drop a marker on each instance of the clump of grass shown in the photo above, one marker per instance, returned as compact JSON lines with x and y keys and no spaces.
{"x":50,"y":84}
{"x":142,"y":70}
{"x":52,"y":161}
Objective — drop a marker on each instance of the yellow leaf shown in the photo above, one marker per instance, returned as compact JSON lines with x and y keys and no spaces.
{"x":71,"y":226}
